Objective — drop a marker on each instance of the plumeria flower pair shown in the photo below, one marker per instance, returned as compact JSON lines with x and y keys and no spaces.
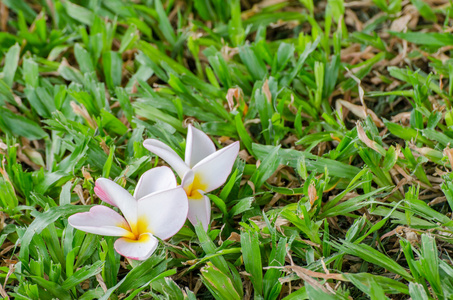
{"x":203,"y":170}
{"x":159,"y":208}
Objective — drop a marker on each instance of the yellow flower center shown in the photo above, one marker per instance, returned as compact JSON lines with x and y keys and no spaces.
{"x":136,"y":230}
{"x":141,"y":239}
{"x":197,"y":184}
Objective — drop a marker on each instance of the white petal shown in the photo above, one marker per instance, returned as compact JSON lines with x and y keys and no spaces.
{"x":167,"y":154}
{"x":155,"y":180}
{"x":139,"y":249}
{"x":119,"y":197}
{"x":213,"y":171}
{"x":187,"y":181}
{"x":101,"y":220}
{"x":200,"y":211}
{"x":198,"y":146}
{"x":163,"y":213}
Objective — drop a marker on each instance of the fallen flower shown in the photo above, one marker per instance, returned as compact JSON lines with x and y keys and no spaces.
{"x":203,"y":170}
{"x":158,"y":209}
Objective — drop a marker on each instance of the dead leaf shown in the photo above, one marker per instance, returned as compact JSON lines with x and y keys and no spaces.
{"x":307,"y":275}
{"x":82,"y":111}
{"x":400,"y":24}
{"x":357,"y":110}
{"x":449,"y":153}
{"x":235,"y":237}
{"x":267,"y":91}
{"x":365,"y":139}
{"x":79,"y":191}
{"x":312,"y":193}
{"x":4,"y":14}
{"x":231,"y":95}
{"x":86,"y":174}
{"x":101,"y":282}
{"x":34,"y":156}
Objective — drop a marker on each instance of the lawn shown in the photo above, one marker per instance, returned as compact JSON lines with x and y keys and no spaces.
{"x":212,"y":149}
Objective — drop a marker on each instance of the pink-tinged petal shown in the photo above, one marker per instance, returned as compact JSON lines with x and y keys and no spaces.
{"x":167,"y":154}
{"x":101,"y":220}
{"x":200,"y":211}
{"x":163,"y":213}
{"x":213,"y":171}
{"x":155,"y":180}
{"x":103,"y":195}
{"x":118,"y":197}
{"x":139,"y":249}
{"x":198,"y":146}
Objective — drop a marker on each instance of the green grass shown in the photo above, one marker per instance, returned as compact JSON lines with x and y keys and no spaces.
{"x":327,"y":201}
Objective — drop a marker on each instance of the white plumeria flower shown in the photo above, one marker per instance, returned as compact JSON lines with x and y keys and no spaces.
{"x":203,"y":170}
{"x":158,"y":209}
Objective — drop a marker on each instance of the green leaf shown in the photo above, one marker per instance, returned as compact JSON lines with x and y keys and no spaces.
{"x":253,"y":63}
{"x":83,"y":59}
{"x":129,"y":37}
{"x":241,"y":206}
{"x":31,"y":73}
{"x":315,"y":293}
{"x":153,"y":114}
{"x":250,"y":245}
{"x":268,"y":165}
{"x":8,"y":198}
{"x":15,"y":124}
{"x":79,"y":13}
{"x":373,"y":256}
{"x":430,"y":263}
{"x":309,"y":48}
{"x":11,"y":62}
{"x":425,"y":10}
{"x":23,"y":8}
{"x":407,"y":133}
{"x":42,"y":220}
{"x":281,"y":58}
{"x":151,"y":269}
{"x":82,"y":274}
{"x":147,"y":271}
{"x":313,"y":163}
{"x":243,"y":134}
{"x":113,"y":67}
{"x":235,"y":29}
{"x":164,"y":23}
{"x":301,"y":293}
{"x":431,"y":39}
{"x":169,"y":288}
{"x":219,"y":203}
{"x":6,"y":94}
{"x":271,"y":283}
{"x":70,"y":73}
{"x":352,"y":204}
{"x":218,"y":283}
{"x":210,"y":248}
{"x":52,"y":179}
{"x":363,"y":282}
{"x":417,"y":291}
{"x":112,"y":124}
{"x":52,"y":287}
{"x":390,"y":159}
